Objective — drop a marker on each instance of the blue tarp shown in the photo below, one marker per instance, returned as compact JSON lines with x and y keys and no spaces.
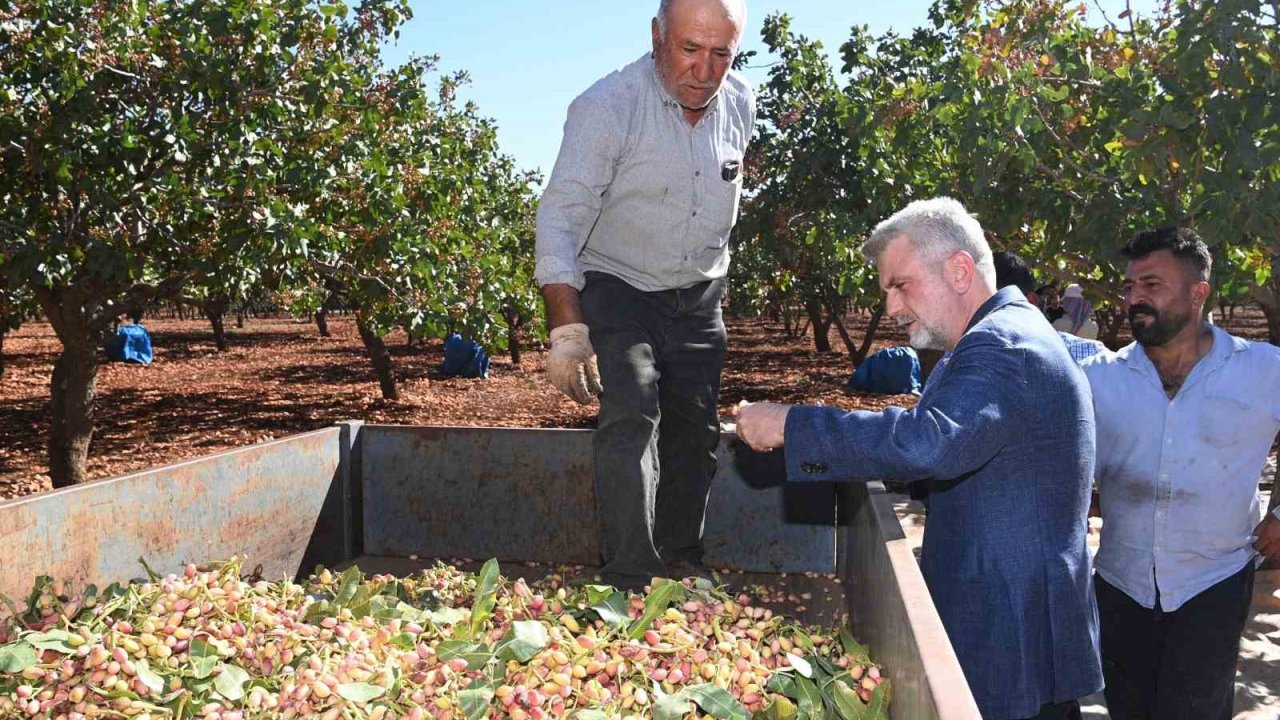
{"x":892,"y":371}
{"x":132,"y":343}
{"x":464,"y":358}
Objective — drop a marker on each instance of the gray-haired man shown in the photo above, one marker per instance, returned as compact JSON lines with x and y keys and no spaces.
{"x":632,"y":247}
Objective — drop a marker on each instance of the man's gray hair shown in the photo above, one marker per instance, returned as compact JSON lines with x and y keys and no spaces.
{"x":937,"y":228}
{"x":737,"y":10}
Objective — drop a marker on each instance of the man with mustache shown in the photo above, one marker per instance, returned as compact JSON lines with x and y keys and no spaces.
{"x":632,"y":251}
{"x":1002,"y":438}
{"x":1186,"y":416}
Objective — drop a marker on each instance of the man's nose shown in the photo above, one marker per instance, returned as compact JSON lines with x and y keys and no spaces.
{"x":704,"y":68}
{"x":893,"y":303}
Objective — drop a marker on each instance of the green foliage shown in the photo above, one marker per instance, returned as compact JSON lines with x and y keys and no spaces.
{"x":1064,"y":136}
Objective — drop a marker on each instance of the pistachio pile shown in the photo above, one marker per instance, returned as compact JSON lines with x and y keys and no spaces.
{"x":213,"y":643}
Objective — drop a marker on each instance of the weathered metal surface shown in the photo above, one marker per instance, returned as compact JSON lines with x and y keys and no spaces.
{"x":529,"y":495}
{"x":479,"y":493}
{"x":890,"y":609}
{"x":262,"y":501}
{"x":790,"y":528}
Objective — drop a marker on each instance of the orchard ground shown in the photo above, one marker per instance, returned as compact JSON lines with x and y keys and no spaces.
{"x":279,"y":377}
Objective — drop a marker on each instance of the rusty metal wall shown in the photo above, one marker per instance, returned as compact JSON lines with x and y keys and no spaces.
{"x":891,"y":610}
{"x":528,"y":495}
{"x":263,"y":501}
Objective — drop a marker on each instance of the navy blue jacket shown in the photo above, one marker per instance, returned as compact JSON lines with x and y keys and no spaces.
{"x":1004,"y":439}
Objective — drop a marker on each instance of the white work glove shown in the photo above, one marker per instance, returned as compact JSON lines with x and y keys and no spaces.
{"x":571,"y":366}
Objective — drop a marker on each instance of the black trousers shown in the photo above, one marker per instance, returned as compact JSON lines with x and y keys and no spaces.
{"x":660,"y":356}
{"x":1178,"y":665}
{"x":1069,"y":710}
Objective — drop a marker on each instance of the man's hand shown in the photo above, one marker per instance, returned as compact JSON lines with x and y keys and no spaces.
{"x":571,"y":366}
{"x":1268,"y":534}
{"x":762,"y":425}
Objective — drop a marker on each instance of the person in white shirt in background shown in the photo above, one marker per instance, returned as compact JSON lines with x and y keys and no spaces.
{"x":1186,"y":416}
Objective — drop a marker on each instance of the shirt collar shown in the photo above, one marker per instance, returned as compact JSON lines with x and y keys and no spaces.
{"x":1134,"y":356}
{"x":665,"y":97}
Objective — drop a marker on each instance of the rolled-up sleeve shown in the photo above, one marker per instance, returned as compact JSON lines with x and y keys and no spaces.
{"x":955,"y":430}
{"x":572,"y":201}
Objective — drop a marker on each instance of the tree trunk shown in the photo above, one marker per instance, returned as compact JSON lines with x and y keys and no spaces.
{"x":514,"y":323}
{"x":858,"y":353}
{"x":380,"y":357}
{"x":215,"y":310}
{"x":1268,"y":297}
{"x":322,"y":322}
{"x":240,"y":319}
{"x":2,"y":334}
{"x":821,"y":326}
{"x":73,"y":389}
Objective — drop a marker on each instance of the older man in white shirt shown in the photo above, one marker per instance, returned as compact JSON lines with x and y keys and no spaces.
{"x":1186,"y":416}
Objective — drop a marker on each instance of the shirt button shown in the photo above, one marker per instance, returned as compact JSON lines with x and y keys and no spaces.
{"x":697,"y":173}
{"x":695,"y":213}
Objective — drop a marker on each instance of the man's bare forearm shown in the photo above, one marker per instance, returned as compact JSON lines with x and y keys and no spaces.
{"x":563,"y":306}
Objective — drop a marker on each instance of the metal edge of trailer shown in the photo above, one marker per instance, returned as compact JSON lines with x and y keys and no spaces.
{"x":896,"y":616}
{"x":279,"y":503}
{"x":442,"y":491}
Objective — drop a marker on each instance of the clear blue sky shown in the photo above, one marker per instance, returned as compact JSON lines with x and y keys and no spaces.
{"x":528,"y":59}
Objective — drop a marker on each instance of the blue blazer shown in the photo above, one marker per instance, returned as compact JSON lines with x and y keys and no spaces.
{"x":1004,"y":441}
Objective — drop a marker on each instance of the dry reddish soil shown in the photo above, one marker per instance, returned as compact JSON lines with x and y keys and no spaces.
{"x":279,"y":377}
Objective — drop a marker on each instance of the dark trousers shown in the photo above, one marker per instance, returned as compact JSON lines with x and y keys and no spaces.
{"x":660,"y":356}
{"x":1069,"y":710}
{"x":1178,"y":665}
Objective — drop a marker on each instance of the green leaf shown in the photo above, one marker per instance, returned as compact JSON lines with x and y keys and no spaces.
{"x":348,"y":586}
{"x":655,"y":604}
{"x":599,"y":593}
{"x":781,"y":709}
{"x":203,"y":658}
{"x":486,"y":595}
{"x":671,"y":707}
{"x":448,"y":616}
{"x":477,"y":655}
{"x":360,"y":692}
{"x":613,"y":610}
{"x":878,"y":707}
{"x":853,"y":647}
{"x":16,"y":657}
{"x":783,"y":683}
{"x":717,"y":702}
{"x":153,"y":681}
{"x":230,"y":682}
{"x":55,"y":640}
{"x":809,"y":698}
{"x":523,"y":640}
{"x":475,"y":702}
{"x":847,"y":702}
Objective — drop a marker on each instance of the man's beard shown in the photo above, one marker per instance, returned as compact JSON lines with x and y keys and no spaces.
{"x":923,"y":337}
{"x":1160,"y":329}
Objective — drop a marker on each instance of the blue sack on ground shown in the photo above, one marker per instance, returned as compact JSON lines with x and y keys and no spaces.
{"x":892,"y":371}
{"x":132,"y":344}
{"x":464,"y":358}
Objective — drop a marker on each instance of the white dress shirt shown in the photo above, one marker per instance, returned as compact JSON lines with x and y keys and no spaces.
{"x":1178,"y":479}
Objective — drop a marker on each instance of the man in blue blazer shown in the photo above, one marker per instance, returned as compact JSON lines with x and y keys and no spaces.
{"x":1003,"y":440}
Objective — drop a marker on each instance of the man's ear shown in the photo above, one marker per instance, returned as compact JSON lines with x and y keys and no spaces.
{"x":961,"y":271}
{"x":1200,"y":293}
{"x":657,"y":35}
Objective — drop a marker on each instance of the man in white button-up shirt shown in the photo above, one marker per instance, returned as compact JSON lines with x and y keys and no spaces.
{"x":1186,"y":417}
